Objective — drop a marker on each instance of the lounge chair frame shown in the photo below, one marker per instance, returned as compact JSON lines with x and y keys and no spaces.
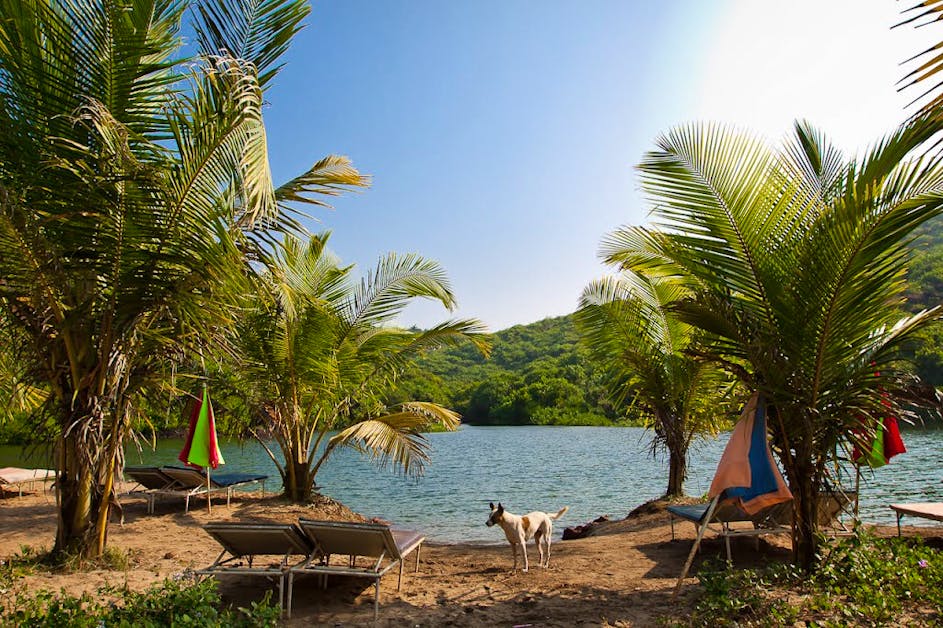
{"x":718,"y":517}
{"x":18,"y":477}
{"x":924,"y":510}
{"x":242,"y":542}
{"x":384,"y":547}
{"x":149,"y":482}
{"x":188,"y":483}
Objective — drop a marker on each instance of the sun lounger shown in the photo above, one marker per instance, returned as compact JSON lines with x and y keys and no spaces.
{"x":190,"y":482}
{"x":243,"y":543}
{"x":772,"y":520}
{"x":383,"y":547}
{"x":924,"y":510}
{"x":17,"y":477}
{"x":149,"y":481}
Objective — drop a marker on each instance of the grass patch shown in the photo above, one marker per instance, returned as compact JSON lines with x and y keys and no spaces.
{"x":178,"y":603}
{"x":171,"y":603}
{"x":862,"y":580}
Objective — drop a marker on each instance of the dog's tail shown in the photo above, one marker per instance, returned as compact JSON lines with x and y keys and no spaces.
{"x":560,"y":513}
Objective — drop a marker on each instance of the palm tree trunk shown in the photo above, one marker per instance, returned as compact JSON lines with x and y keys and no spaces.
{"x":677,"y":472}
{"x":76,"y":534}
{"x":672,"y":428}
{"x":804,"y":486}
{"x":298,"y":481}
{"x":86,"y":461}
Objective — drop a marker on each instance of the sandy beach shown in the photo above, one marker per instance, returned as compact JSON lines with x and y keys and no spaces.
{"x":622,"y":576}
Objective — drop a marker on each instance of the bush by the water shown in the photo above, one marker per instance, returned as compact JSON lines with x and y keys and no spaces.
{"x":861,"y":580}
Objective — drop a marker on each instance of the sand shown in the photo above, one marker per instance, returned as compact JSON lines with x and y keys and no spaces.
{"x":624,"y":575}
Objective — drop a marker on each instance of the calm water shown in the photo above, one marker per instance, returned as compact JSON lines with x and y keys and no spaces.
{"x":593,"y":470}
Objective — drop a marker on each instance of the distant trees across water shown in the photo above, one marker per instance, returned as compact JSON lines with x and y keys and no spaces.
{"x":539,"y":374}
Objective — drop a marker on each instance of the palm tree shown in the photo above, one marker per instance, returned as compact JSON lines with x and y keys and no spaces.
{"x":135,"y":193}
{"x":646,"y":356}
{"x":321,"y":354}
{"x":928,"y":63}
{"x":796,"y":259}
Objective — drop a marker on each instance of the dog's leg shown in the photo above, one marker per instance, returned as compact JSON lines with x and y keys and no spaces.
{"x":539,"y":540}
{"x":547,"y":560}
{"x":514,"y":551}
{"x":523,"y":543}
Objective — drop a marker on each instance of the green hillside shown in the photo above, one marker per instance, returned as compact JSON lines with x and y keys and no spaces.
{"x":537,"y":374}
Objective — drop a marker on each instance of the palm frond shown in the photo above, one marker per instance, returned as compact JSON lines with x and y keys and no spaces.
{"x":258,"y":31}
{"x":395,"y":438}
{"x":395,"y":280}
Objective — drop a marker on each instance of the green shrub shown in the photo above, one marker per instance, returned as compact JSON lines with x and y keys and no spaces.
{"x":171,"y":603}
{"x":861,"y":580}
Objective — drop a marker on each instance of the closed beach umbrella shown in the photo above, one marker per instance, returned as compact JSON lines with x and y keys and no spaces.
{"x":747,"y":472}
{"x":201,"y":449}
{"x":886,"y":444}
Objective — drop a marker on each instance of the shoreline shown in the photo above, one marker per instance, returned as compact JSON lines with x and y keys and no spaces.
{"x":623,"y":574}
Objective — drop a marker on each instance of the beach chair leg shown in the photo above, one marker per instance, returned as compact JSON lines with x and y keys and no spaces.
{"x":291,"y":586}
{"x":697,"y":542}
{"x":671,"y":520}
{"x":376,"y":601}
{"x":418,"y":549}
{"x":729,"y":553}
{"x":898,"y":524}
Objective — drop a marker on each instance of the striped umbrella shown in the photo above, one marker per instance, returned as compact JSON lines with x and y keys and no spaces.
{"x":201,"y":449}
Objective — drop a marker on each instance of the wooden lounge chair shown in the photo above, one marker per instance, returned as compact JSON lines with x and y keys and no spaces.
{"x":190,"y":482}
{"x":244,"y":542}
{"x":17,"y":477}
{"x":384,"y":547}
{"x":924,"y":510}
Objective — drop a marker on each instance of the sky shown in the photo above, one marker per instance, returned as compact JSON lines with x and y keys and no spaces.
{"x":501,"y":135}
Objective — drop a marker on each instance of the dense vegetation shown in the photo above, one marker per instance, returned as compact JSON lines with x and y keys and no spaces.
{"x":537,"y":374}
{"x":863,"y":581}
{"x":540,"y":374}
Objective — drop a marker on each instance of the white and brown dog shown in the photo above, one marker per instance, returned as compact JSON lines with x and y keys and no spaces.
{"x":536,"y":525}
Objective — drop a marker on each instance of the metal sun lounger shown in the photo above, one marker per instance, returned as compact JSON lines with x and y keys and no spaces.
{"x":771,"y":520}
{"x":190,"y":482}
{"x":149,"y":482}
{"x":375,"y":542}
{"x":774,"y":519}
{"x":17,"y":477}
{"x":244,"y":542}
{"x":924,"y":510}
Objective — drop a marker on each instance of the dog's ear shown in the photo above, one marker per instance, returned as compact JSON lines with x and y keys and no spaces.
{"x":491,"y":505}
{"x":500,"y":507}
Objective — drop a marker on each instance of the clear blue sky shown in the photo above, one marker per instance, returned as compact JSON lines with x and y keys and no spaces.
{"x":501,"y":135}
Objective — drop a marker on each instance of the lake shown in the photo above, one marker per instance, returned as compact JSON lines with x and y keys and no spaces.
{"x":593,"y":470}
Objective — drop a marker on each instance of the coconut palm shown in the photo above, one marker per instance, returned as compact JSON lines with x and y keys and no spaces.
{"x":927,"y":63}
{"x":134,"y":193}
{"x":646,"y":357}
{"x":796,"y":259}
{"x":322,"y":353}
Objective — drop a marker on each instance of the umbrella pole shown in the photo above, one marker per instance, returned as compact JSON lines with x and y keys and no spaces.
{"x":857,"y":492}
{"x":209,"y":495}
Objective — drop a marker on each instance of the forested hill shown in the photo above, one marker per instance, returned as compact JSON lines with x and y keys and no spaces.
{"x":539,"y":374}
